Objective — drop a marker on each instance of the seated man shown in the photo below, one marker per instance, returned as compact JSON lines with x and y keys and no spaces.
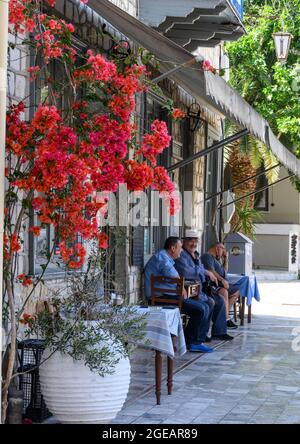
{"x":216,"y":261}
{"x":190,"y":267}
{"x":162,"y":264}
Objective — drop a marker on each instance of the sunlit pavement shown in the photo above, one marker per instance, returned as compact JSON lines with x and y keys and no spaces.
{"x":253,"y":379}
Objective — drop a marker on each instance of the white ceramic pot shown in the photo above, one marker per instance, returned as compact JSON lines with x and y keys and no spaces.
{"x":76,"y":395}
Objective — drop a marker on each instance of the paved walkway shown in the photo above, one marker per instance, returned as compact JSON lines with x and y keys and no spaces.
{"x":253,"y":379}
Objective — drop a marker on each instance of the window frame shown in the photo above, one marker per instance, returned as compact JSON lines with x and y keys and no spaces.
{"x":36,"y":89}
{"x":262,"y":195}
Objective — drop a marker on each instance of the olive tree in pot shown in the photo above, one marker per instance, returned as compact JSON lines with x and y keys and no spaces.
{"x":85,"y":371}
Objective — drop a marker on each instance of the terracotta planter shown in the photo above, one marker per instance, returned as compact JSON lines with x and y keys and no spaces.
{"x":74,"y":394}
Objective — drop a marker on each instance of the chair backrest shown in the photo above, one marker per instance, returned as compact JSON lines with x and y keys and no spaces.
{"x":159,"y":293}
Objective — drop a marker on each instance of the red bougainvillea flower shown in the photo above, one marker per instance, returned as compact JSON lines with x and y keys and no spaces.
{"x":14,"y":243}
{"x":163,"y":183}
{"x":178,"y":113}
{"x":73,"y":256}
{"x":68,"y":171}
{"x":36,"y":231}
{"x":138,"y":176}
{"x":97,"y":69}
{"x":154,"y":144}
{"x":17,"y":14}
{"x":37,"y":203}
{"x":30,"y":25}
{"x":102,"y":240}
{"x":33,"y":70}
{"x":27,"y":319}
{"x":62,"y":168}
{"x":175,"y":203}
{"x":25,"y":281}
{"x":45,"y":118}
{"x":207,"y":66}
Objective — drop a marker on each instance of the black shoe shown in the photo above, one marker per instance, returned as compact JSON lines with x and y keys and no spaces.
{"x":231,"y":324}
{"x":224,"y":337}
{"x":207,"y":339}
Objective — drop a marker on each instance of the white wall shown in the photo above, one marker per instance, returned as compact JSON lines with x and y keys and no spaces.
{"x":271,"y":246}
{"x":271,"y":252}
{"x":211,"y":54}
{"x":130,"y":6}
{"x":286,"y":200}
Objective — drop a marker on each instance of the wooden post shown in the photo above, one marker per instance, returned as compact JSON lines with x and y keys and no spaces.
{"x":158,"y":372}
{"x":171,"y":369}
{"x":243,"y":310}
{"x":249,"y":314}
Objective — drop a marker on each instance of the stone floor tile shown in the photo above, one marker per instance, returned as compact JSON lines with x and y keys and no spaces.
{"x":255,"y":378}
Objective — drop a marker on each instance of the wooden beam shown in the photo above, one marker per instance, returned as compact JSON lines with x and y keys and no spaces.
{"x":154,"y":12}
{"x":197,"y":13}
{"x":192,"y":31}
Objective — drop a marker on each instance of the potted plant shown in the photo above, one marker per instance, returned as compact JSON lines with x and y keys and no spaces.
{"x":85,"y":370}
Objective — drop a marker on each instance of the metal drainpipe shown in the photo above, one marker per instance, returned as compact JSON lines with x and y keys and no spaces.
{"x":3,"y":82}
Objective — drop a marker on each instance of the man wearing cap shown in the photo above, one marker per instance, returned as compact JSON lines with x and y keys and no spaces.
{"x":189,"y":265}
{"x":162,"y":264}
{"x":216,"y":261}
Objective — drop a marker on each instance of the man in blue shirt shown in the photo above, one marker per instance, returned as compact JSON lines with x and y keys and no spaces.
{"x":162,"y":264}
{"x":216,"y":261}
{"x":190,"y":267}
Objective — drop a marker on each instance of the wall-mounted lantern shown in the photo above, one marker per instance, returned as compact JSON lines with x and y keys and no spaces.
{"x":194,"y":116}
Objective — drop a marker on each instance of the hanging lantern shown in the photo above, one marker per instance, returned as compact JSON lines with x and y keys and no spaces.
{"x":282,"y":44}
{"x":194,"y":116}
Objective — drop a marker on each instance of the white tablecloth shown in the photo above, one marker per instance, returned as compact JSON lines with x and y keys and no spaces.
{"x":161,"y":323}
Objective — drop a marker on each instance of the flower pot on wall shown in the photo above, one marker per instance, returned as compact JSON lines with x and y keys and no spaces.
{"x":75,"y":394}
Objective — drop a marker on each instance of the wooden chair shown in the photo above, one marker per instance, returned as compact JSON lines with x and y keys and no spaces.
{"x":159,"y":294}
{"x":239,"y":306}
{"x":192,"y":290}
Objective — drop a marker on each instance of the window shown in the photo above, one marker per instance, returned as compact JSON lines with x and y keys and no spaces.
{"x":42,"y":246}
{"x":40,"y":249}
{"x":261,"y":202}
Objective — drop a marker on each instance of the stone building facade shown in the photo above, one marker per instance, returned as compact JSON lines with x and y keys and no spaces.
{"x":138,"y":244}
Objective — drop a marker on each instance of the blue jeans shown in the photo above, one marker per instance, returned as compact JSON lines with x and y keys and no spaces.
{"x":217,"y":314}
{"x":198,"y":324}
{"x":197,"y":328}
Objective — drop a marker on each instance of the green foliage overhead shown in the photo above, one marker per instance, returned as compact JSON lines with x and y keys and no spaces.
{"x":255,"y":72}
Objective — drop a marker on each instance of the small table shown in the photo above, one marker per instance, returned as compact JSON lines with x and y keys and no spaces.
{"x":248,"y":289}
{"x":163,"y":328}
